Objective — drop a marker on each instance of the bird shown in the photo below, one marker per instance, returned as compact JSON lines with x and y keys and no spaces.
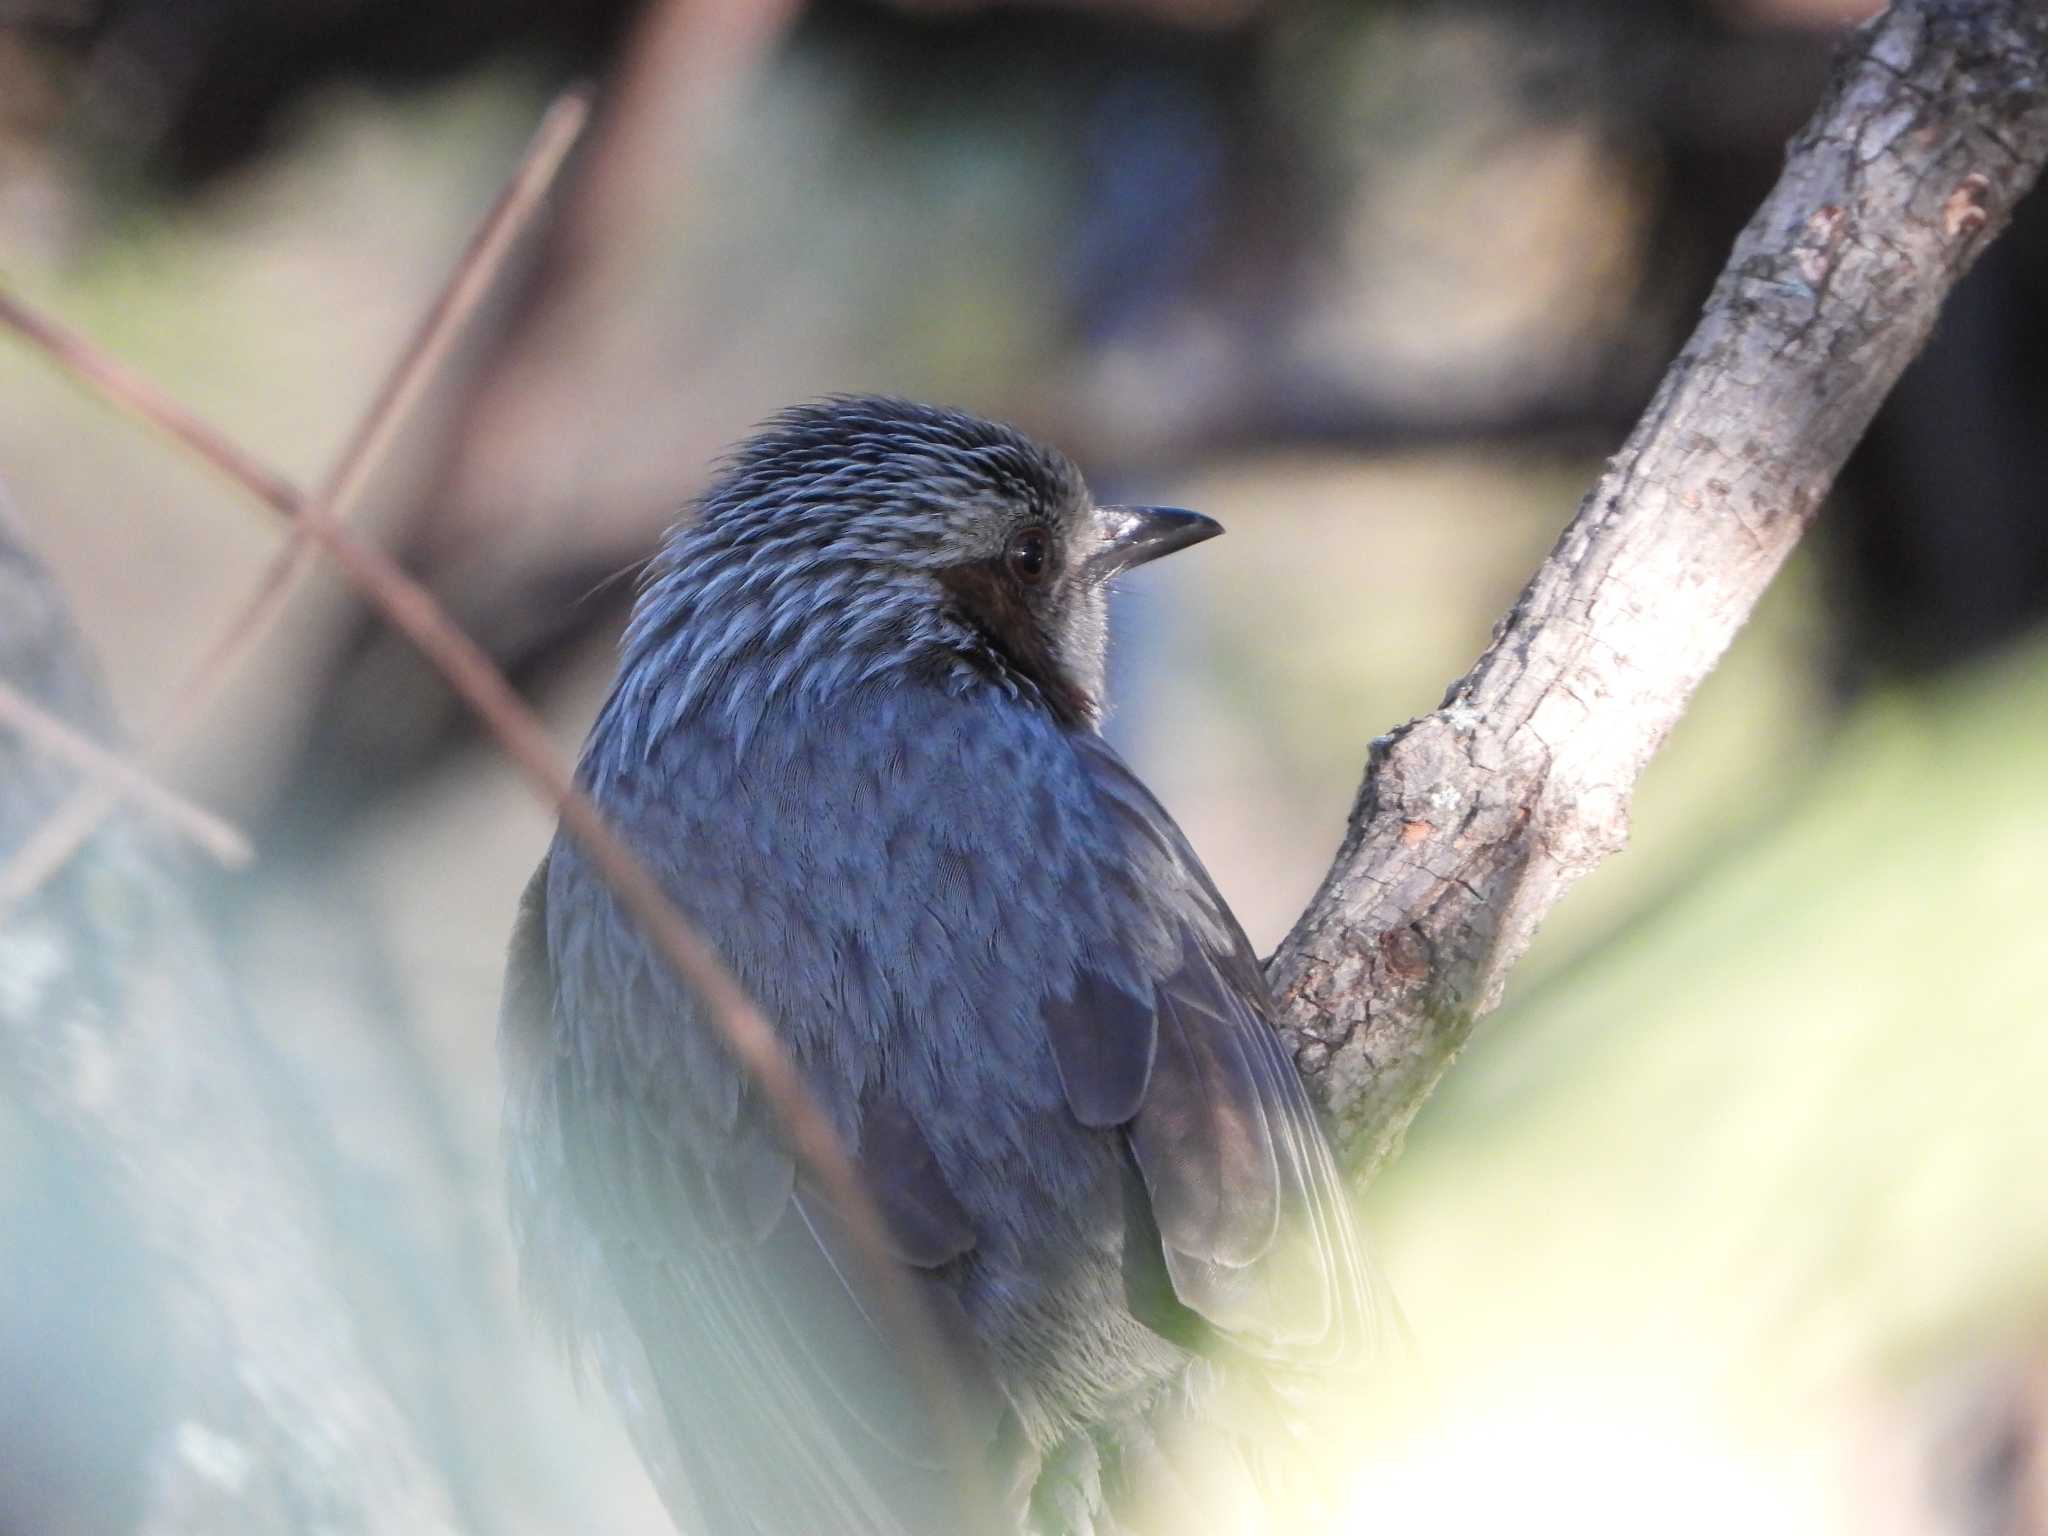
{"x":855,"y":734}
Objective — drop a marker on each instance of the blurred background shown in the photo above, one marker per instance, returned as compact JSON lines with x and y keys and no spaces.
{"x":1735,"y":1216}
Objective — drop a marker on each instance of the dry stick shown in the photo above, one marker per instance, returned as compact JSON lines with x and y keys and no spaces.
{"x":1474,"y":820}
{"x":53,"y":736}
{"x":415,"y":612}
{"x":676,"y":75}
{"x":67,"y":828}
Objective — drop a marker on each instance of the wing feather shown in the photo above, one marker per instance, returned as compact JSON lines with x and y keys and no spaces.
{"x":1202,"y":1139}
{"x":927,"y":1225}
{"x":1104,"y":1042}
{"x":1257,"y":1230}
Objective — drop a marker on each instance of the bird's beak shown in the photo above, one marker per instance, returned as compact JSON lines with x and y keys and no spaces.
{"x":1133,"y":535}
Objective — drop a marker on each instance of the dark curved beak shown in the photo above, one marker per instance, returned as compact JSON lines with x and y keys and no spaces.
{"x":1133,"y":535}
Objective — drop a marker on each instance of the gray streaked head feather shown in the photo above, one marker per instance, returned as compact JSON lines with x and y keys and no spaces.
{"x":823,"y":556}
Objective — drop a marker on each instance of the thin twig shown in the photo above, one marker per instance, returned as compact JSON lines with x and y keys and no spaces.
{"x":44,"y":730}
{"x":62,"y":833}
{"x":475,"y":272}
{"x":416,"y":613}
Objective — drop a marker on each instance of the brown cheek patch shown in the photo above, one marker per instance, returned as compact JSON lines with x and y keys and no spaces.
{"x":994,"y":604}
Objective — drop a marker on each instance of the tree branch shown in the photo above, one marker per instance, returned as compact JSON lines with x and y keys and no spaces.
{"x":1475,"y":819}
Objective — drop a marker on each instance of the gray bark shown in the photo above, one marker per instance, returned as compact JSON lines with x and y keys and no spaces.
{"x":1475,"y":819}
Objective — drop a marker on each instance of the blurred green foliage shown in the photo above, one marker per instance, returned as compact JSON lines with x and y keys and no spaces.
{"x":1781,"y":1141}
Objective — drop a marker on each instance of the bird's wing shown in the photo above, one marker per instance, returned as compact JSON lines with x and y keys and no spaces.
{"x":1258,"y":1234}
{"x":760,"y":1384}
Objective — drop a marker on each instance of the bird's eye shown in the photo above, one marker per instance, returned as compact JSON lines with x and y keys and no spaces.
{"x":1026,"y":556}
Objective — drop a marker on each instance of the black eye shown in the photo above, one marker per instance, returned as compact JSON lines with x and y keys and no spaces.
{"x":1026,"y":556}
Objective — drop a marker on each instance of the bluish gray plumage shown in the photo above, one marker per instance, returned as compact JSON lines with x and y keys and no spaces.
{"x":853,"y":732}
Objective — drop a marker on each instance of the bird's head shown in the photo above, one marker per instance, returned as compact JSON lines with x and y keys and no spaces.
{"x":857,"y":534}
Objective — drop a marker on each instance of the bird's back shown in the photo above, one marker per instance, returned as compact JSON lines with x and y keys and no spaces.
{"x":916,"y":887}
